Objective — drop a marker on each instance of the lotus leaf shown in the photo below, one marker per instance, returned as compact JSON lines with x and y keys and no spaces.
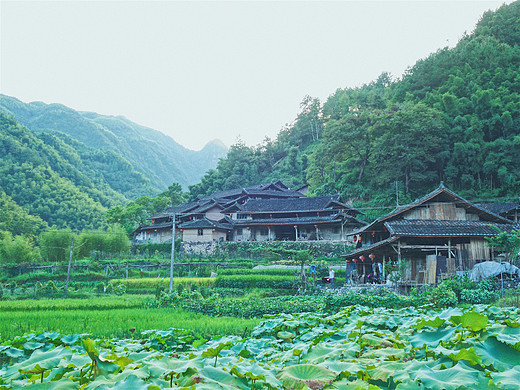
{"x":471,"y":320}
{"x":447,"y":379}
{"x":508,"y":378}
{"x":45,"y":360}
{"x":497,"y":354}
{"x":225,"y":379}
{"x":285,"y":335}
{"x":298,"y":376}
{"x":14,"y":352}
{"x":435,"y":323}
{"x":431,"y":338}
{"x":469,"y":355}
{"x":63,"y":384}
{"x":358,"y":384}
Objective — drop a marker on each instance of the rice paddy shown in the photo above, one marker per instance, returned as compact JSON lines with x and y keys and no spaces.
{"x":108,"y":317}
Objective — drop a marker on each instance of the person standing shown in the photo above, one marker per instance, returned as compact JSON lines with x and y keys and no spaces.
{"x":331,"y":277}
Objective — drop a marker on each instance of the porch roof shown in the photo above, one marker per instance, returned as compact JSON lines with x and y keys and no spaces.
{"x":370,"y":248}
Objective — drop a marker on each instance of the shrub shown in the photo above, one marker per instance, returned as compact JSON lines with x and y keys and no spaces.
{"x":245,"y":308}
{"x":458,"y":283}
{"x":55,"y":245}
{"x":18,"y":250}
{"x":116,"y":288}
{"x":103,"y":244}
{"x":376,"y":298}
{"x":478,"y":296}
{"x":442,"y":296}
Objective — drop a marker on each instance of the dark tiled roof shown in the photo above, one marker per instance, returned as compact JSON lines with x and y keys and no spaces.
{"x":181,"y":208}
{"x":281,"y":194}
{"x":294,"y":205}
{"x":257,"y":189}
{"x":425,"y":227}
{"x":500,"y":208}
{"x":285,"y":221}
{"x":205,"y":207}
{"x":205,"y":223}
{"x":370,"y":248}
{"x":152,"y":227}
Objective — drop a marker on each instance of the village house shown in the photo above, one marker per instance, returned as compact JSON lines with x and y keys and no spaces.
{"x":436,"y":235}
{"x":267,"y":211}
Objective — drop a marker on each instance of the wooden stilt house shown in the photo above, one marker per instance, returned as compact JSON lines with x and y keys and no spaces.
{"x":436,"y":235}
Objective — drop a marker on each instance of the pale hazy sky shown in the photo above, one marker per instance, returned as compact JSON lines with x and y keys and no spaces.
{"x":203,"y":70}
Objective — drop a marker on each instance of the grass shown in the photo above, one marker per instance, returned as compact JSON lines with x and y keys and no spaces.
{"x":511,"y":299}
{"x":99,"y":303}
{"x":107,"y":318}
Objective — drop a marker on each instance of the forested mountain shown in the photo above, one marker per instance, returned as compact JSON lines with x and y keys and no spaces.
{"x":454,"y":116}
{"x":43,"y":179}
{"x":156,"y":156}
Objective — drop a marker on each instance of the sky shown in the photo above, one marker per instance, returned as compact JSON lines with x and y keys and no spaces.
{"x":197,"y":70}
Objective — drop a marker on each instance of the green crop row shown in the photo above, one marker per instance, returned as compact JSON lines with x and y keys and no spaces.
{"x":253,"y":271}
{"x":256,"y":281}
{"x":152,"y":283}
{"x":51,"y":305}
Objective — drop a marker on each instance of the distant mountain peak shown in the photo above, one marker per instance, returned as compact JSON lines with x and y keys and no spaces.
{"x":215,"y":143}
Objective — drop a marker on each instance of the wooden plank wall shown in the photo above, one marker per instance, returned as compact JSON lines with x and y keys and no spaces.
{"x":478,"y":250}
{"x":441,"y":211}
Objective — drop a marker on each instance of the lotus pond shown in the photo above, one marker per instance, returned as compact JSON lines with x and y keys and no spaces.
{"x":354,"y":348}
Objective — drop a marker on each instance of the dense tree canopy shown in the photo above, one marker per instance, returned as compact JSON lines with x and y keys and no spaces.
{"x":454,"y":116}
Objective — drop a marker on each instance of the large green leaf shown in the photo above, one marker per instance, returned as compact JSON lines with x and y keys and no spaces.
{"x":63,"y":384}
{"x":435,"y":323}
{"x":471,"y":320}
{"x":509,"y":379}
{"x":469,"y":355}
{"x":431,"y":338}
{"x":45,"y":360}
{"x":302,"y":375}
{"x":449,"y":379}
{"x":223,"y":378}
{"x":358,"y":384}
{"x":497,"y":354}
{"x":158,"y":368}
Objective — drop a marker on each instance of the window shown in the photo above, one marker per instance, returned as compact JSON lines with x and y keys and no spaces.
{"x":200,"y":232}
{"x":239,"y":232}
{"x":263,"y":232}
{"x":241,"y":216}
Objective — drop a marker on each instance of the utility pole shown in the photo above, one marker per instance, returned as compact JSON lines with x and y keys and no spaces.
{"x":68,"y":268}
{"x":173,"y":252}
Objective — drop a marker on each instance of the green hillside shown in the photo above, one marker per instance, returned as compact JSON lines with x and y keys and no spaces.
{"x":454,"y":116}
{"x":156,"y":156}
{"x":39,"y":182}
{"x":16,"y":220}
